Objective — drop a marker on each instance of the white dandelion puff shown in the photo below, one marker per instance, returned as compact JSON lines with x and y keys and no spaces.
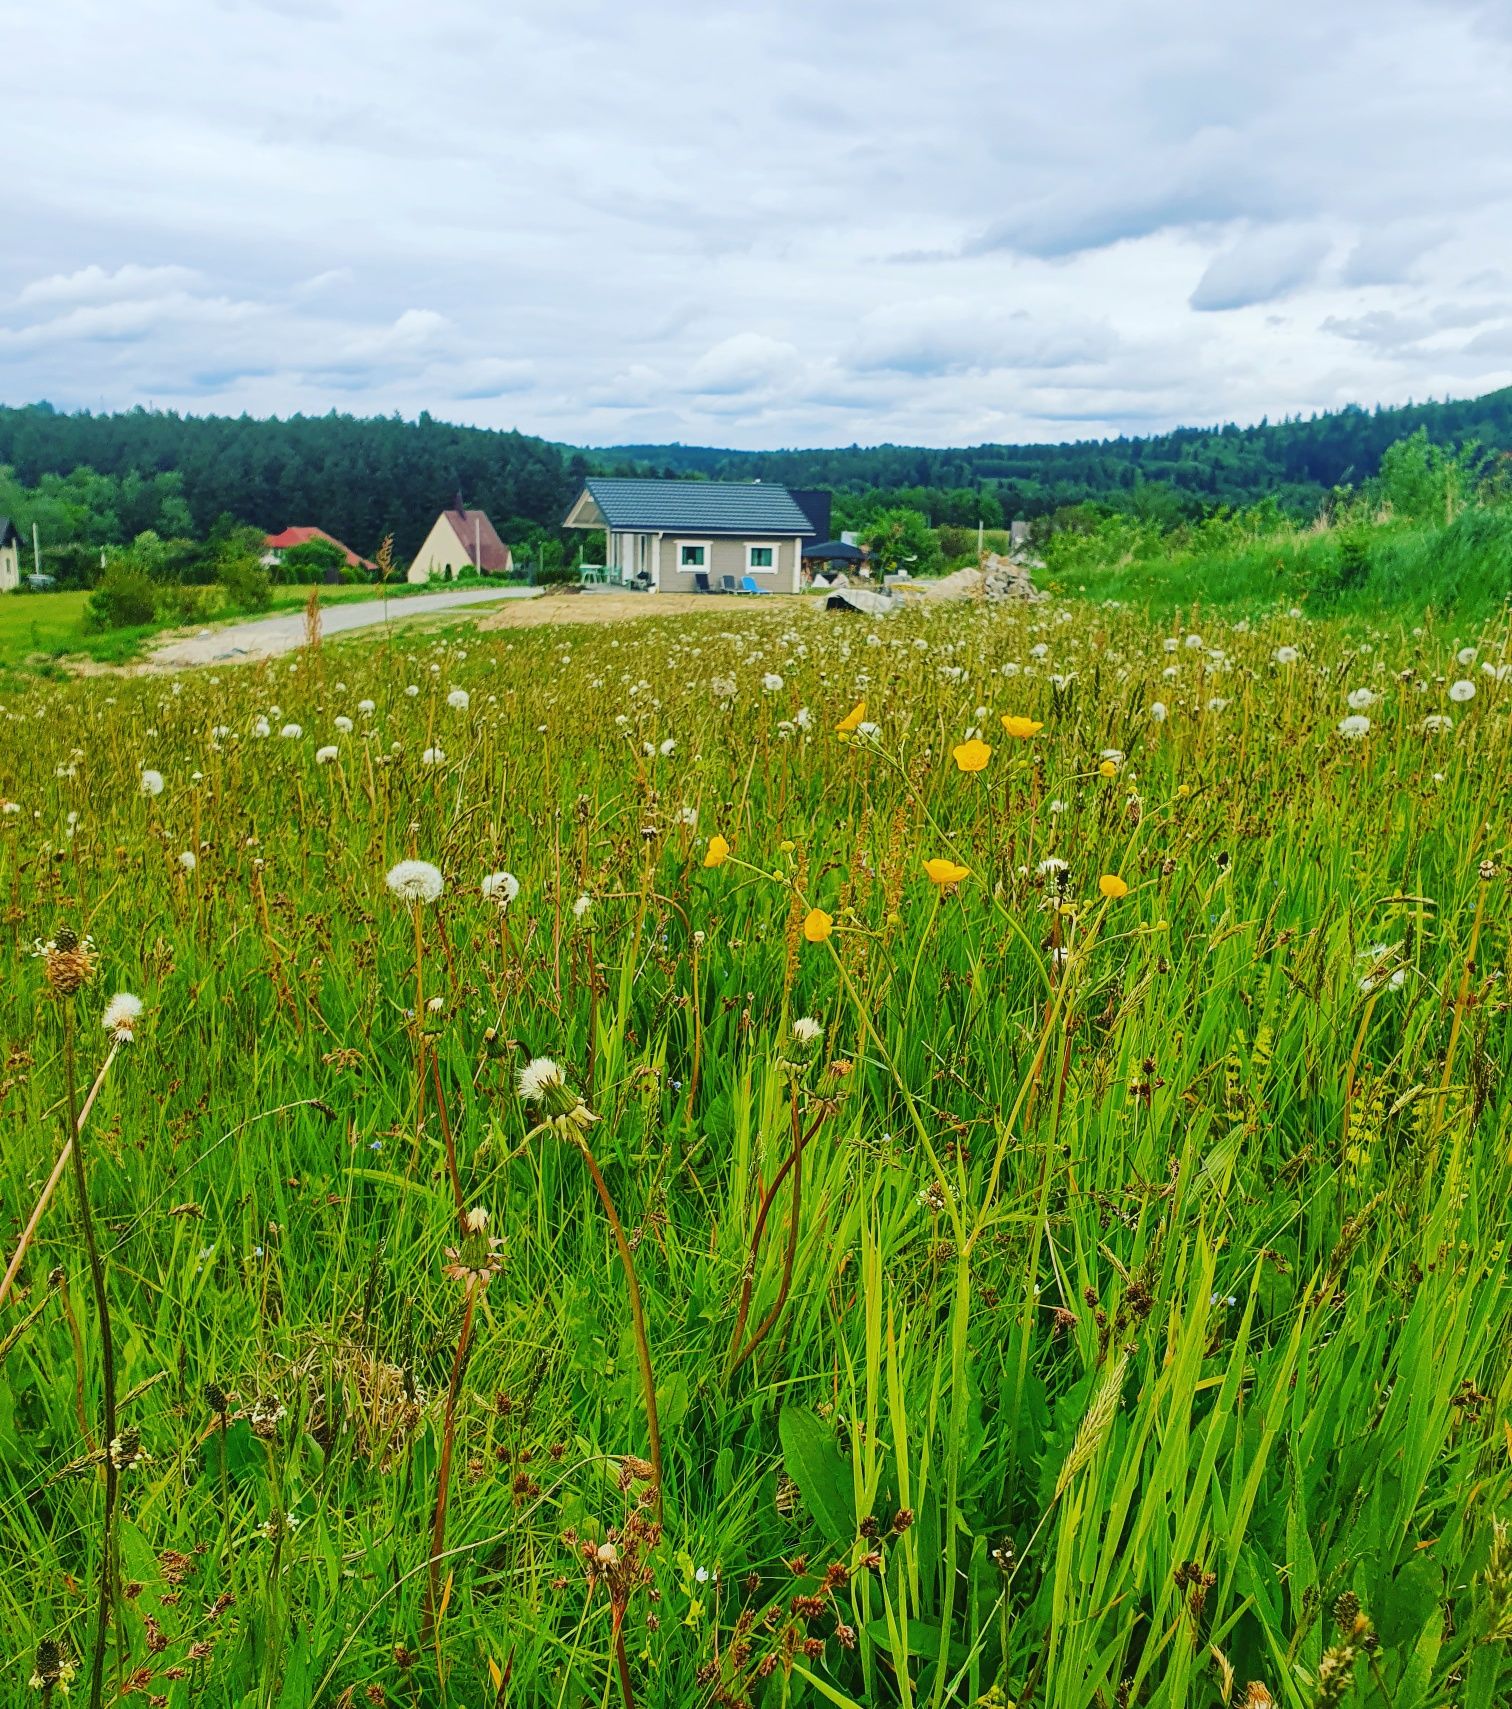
{"x":538,"y":1078}
{"x":122,"y":1013}
{"x":415,"y":881}
{"x":152,"y":782}
{"x":500,"y":887}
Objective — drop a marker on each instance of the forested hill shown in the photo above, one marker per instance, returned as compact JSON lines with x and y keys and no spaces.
{"x":358,"y":478}
{"x":1294,"y":461}
{"x":363,"y":478}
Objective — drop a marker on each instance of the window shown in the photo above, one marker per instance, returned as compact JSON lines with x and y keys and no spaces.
{"x":761,"y":557}
{"x":692,"y":557}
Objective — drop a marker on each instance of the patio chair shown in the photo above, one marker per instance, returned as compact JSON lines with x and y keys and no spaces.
{"x":748,"y":584}
{"x":727,"y":584}
{"x":701,"y":581}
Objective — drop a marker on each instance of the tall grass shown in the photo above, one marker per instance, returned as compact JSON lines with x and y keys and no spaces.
{"x":1369,"y":568}
{"x":1134,"y":1313}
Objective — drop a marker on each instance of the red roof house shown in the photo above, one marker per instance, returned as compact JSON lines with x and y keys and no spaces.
{"x":278,"y":544}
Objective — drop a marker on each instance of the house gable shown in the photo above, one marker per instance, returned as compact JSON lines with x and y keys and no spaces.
{"x":458,"y":540}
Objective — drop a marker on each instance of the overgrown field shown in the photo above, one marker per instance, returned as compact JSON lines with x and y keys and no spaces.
{"x":1054,"y":1171}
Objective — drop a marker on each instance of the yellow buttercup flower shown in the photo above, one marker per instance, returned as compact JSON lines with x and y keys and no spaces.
{"x":943,"y":871}
{"x":972,"y":755}
{"x":1023,"y":728}
{"x":718,"y":851}
{"x":1112,"y":886}
{"x":849,"y":723}
{"x":1108,"y":768}
{"x":817,"y":925}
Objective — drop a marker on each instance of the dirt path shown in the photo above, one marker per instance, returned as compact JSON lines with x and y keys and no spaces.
{"x":266,"y":637}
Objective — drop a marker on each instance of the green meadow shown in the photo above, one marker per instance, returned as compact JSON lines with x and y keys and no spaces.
{"x":765,"y":1160}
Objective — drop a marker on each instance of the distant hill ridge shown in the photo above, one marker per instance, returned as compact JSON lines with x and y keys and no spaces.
{"x":362,"y":478}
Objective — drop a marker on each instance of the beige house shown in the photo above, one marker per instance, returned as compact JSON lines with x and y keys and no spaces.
{"x":460,"y":540}
{"x":696,"y":536}
{"x":10,"y":556}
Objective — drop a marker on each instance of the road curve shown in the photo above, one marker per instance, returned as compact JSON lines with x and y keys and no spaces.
{"x":266,"y":637}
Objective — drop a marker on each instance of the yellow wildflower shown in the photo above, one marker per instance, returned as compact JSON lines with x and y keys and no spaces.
{"x":817,"y":925}
{"x":1112,"y":886}
{"x":850,"y":722}
{"x":1022,"y":728}
{"x":972,"y":755}
{"x":943,"y":871}
{"x":718,"y":851}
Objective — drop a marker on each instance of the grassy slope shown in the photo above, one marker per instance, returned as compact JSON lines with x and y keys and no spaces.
{"x":1465,"y":568}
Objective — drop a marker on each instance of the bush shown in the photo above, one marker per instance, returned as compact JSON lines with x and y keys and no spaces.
{"x":123,"y":598}
{"x":187,"y":602}
{"x":246,"y":582}
{"x":311,"y":561}
{"x":1351,"y":568}
{"x":557,"y":575}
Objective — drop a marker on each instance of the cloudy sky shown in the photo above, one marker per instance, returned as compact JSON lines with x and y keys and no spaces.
{"x":796,"y":222}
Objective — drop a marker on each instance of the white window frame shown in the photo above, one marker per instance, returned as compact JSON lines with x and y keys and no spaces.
{"x":695,"y":569}
{"x":772,"y":546}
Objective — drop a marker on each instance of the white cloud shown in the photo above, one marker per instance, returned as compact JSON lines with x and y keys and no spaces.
{"x":96,"y":284}
{"x":1261,"y":267}
{"x":744,"y":362}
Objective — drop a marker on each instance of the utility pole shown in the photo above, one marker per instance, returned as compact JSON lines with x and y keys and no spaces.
{"x":36,"y":549}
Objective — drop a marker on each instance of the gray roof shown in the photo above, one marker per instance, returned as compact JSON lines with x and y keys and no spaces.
{"x":698,"y":507}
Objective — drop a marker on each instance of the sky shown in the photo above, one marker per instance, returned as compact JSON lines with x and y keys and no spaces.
{"x":805,"y":222}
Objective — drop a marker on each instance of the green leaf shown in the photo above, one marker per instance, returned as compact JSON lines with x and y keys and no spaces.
{"x":813,"y":1461}
{"x":922,"y":1638}
{"x":1410,"y":1601}
{"x":672,"y":1401}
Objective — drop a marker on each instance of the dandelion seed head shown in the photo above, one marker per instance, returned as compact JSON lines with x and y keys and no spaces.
{"x":500,"y":888}
{"x":415,"y":881}
{"x":121,"y":1015}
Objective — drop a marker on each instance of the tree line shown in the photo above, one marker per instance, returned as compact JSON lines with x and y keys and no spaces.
{"x":101,"y":480}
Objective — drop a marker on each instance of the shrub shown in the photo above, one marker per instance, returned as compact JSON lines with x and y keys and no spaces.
{"x":246,"y":583}
{"x":556,"y":575}
{"x":1351,"y":568}
{"x":184,"y":602}
{"x":123,"y":598}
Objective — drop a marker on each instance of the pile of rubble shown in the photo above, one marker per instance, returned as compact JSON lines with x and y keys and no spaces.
{"x":999,"y":578}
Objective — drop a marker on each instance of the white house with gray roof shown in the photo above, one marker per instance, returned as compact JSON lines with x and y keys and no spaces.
{"x":696,"y":536}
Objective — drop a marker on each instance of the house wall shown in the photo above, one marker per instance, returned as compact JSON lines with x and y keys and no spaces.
{"x":440,"y":549}
{"x":727,"y":557}
{"x":10,"y":569}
